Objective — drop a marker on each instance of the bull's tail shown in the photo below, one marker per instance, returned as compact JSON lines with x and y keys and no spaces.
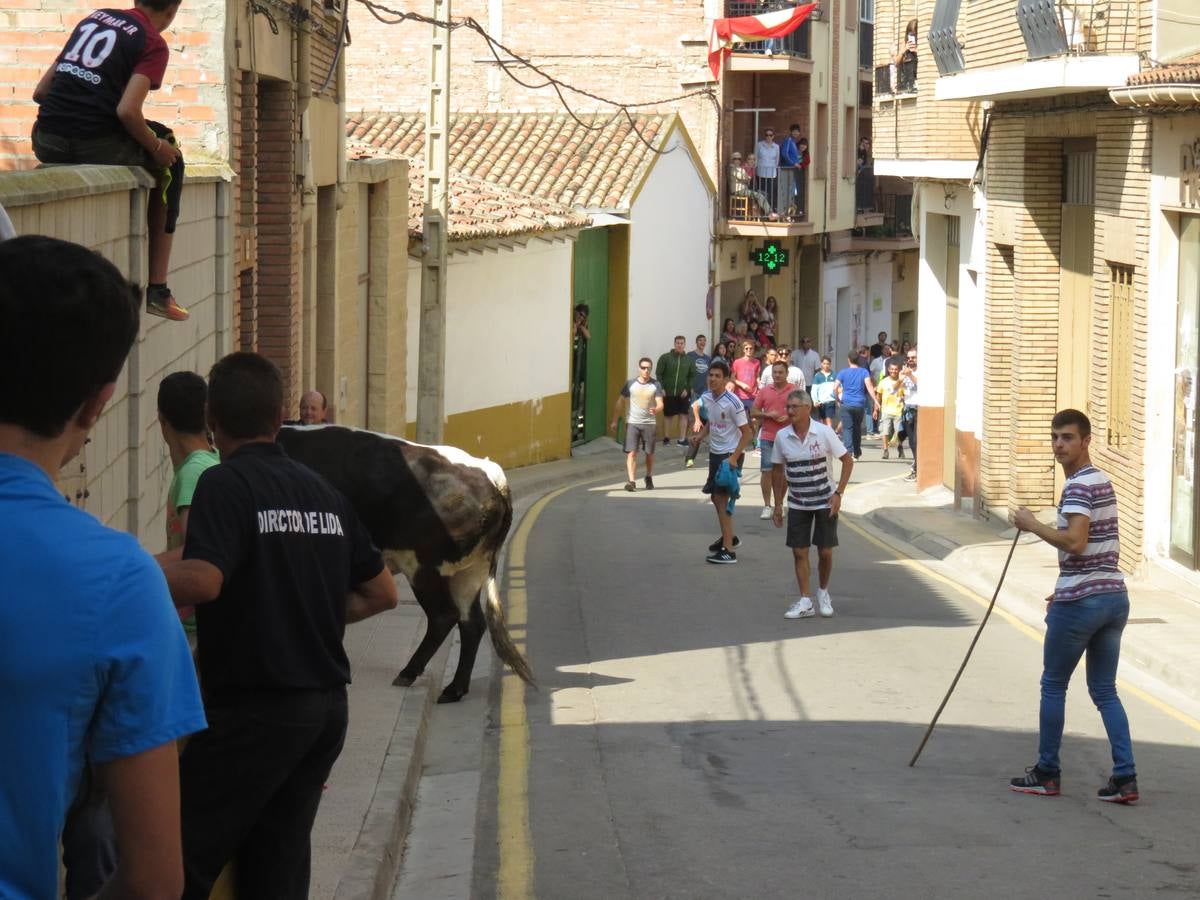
{"x":493,"y":612}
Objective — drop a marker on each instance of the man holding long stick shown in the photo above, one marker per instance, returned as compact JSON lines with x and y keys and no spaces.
{"x":1087,"y":612}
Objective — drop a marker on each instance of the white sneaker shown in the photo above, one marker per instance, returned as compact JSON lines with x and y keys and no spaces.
{"x":766,"y":513}
{"x":801,"y":609}
{"x":824,"y":603}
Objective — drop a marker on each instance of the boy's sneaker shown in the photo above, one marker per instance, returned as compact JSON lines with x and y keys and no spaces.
{"x":825,"y":603}
{"x":630,"y":486}
{"x":885,"y":452}
{"x":649,"y":483}
{"x":689,"y":463}
{"x":1035,"y":781}
{"x":766,"y":513}
{"x":722,"y":557}
{"x":716,"y":545}
{"x":911,"y":476}
{"x":801,"y":609}
{"x":1119,"y":790}
{"x":161,"y":302}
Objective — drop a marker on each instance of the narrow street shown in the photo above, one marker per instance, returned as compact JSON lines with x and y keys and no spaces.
{"x":688,"y":741}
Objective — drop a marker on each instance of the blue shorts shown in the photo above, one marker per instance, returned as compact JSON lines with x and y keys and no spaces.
{"x":826,"y":410}
{"x":764,"y":448}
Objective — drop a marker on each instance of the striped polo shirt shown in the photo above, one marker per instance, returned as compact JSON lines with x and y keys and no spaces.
{"x":806,"y":464}
{"x":1089,"y":492}
{"x":726,"y":416}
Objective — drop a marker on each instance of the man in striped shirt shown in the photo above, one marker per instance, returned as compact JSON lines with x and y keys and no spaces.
{"x":801,"y":453}
{"x":1086,"y":613}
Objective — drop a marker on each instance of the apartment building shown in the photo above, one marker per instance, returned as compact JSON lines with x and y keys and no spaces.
{"x":1069,"y":238}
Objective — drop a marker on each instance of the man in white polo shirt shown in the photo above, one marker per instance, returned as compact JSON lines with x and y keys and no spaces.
{"x":801,"y":455}
{"x":728,"y":436}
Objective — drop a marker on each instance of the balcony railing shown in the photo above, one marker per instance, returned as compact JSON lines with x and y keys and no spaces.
{"x":896,"y":79}
{"x":783,"y":198}
{"x":1078,"y":28}
{"x":897,"y":215}
{"x":798,"y":43}
{"x":864,"y":190}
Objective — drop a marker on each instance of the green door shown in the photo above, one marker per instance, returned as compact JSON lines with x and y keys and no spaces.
{"x":589,"y":358}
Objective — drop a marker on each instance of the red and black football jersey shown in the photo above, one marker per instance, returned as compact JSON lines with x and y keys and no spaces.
{"x":91,"y":73}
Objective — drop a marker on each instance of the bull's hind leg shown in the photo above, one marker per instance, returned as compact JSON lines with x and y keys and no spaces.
{"x":470,"y":633}
{"x":433,"y":593}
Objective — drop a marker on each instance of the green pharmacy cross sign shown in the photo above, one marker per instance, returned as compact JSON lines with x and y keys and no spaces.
{"x":771,"y":256}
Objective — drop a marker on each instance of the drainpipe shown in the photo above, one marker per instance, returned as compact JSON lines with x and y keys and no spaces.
{"x":304,"y":99}
{"x":1157,"y":95}
{"x":342,"y":169}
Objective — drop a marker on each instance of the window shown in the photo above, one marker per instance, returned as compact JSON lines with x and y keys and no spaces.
{"x":1120,"y":335}
{"x":866,"y":33}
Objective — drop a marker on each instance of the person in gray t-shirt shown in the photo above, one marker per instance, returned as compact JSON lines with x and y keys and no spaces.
{"x":641,"y":400}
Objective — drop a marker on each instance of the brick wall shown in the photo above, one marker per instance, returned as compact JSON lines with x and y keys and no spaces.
{"x":630,"y":51}
{"x":919,"y":127}
{"x":278,"y":256}
{"x":1022,"y":315}
{"x":191,"y":100}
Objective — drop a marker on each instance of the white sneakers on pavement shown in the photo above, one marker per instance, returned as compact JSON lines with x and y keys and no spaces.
{"x":824,"y":603}
{"x":801,"y":609}
{"x":766,"y":513}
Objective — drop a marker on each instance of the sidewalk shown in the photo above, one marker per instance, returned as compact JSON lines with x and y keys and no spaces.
{"x":364,"y":814}
{"x":1158,"y":649}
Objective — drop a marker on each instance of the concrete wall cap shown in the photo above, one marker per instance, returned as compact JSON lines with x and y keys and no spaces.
{"x":47,"y":184}
{"x":372,"y":171}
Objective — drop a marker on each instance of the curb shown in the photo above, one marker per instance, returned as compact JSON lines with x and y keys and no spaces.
{"x":375,"y":859}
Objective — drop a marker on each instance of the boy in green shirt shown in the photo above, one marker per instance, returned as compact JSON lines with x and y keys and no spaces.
{"x":181,"y":398}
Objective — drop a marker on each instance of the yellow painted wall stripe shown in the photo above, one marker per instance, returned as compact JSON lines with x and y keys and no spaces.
{"x":515,"y":837}
{"x":1025,"y":629}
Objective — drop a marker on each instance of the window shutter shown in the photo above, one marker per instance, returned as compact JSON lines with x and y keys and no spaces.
{"x":943,"y":39}
{"x":1041,"y":27}
{"x":1120,"y":384}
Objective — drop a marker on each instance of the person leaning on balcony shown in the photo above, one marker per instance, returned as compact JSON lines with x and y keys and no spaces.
{"x":90,"y":111}
{"x":739,"y":184}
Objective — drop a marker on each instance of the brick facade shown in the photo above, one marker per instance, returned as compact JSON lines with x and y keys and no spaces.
{"x":1022,"y":317}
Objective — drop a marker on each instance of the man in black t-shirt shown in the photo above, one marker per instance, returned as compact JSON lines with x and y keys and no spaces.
{"x":276,"y":563}
{"x":90,"y":111}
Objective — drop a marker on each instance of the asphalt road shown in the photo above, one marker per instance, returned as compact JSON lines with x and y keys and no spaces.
{"x":688,"y":741}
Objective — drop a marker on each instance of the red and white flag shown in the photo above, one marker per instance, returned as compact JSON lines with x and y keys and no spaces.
{"x":743,"y":29}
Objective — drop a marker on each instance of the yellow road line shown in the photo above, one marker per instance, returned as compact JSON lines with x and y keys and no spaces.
{"x":1025,"y":629}
{"x":515,"y":837}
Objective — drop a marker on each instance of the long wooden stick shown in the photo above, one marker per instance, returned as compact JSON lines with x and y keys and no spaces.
{"x":928,"y":731}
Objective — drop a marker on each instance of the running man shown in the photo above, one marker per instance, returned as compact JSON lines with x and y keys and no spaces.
{"x":728,"y":436}
{"x":801,"y":454}
{"x":640,"y":400}
{"x":891,"y":409}
{"x":1087,"y":612}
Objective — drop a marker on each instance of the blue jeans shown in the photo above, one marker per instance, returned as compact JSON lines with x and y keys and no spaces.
{"x":852,"y":428}
{"x":1092,"y":624}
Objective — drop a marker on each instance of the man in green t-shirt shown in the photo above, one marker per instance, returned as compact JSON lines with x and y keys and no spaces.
{"x":181,"y":398}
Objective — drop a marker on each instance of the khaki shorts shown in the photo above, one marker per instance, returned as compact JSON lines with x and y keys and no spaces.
{"x":643,"y":434}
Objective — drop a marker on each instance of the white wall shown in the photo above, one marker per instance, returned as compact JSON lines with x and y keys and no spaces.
{"x":1169,"y":135}
{"x":670,"y":236}
{"x":849,"y":272}
{"x":508,"y":318}
{"x":931,"y":304}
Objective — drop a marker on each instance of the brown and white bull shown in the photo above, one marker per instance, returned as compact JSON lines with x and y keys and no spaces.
{"x":440,"y":517}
